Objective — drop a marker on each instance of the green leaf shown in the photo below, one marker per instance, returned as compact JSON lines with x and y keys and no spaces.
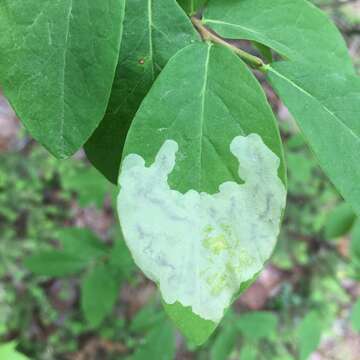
{"x":196,"y":329}
{"x":309,"y":334}
{"x":355,"y":316}
{"x":191,"y":6}
{"x":196,"y":105}
{"x":325,"y":106}
{"x":99,"y":292}
{"x":8,"y":352}
{"x":159,"y":344}
{"x":153,"y":32}
{"x":339,"y":221}
{"x":57,"y":65}
{"x":355,"y":244}
{"x":121,"y":259}
{"x":81,"y":243}
{"x":55,"y":264}
{"x":224,"y":343}
{"x":294,"y":28}
{"x":89,"y":185}
{"x":146,"y":319}
{"x":248,"y":352}
{"x":264,"y":50}
{"x":257,"y":325}
{"x":196,"y":102}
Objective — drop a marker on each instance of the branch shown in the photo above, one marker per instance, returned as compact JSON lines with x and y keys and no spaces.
{"x":208,"y":35}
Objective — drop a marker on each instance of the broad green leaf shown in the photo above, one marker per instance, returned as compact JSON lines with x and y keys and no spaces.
{"x":55,"y":263}
{"x":325,"y":105}
{"x":196,"y":108}
{"x":154,"y":30}
{"x":197,"y":103}
{"x":309,"y":335}
{"x":8,"y":352}
{"x":99,"y":292}
{"x":294,"y":28}
{"x":257,"y":325}
{"x":57,"y":65}
{"x":355,"y":316}
{"x":191,"y":6}
{"x":339,"y":221}
{"x":81,"y":243}
{"x":159,"y":344}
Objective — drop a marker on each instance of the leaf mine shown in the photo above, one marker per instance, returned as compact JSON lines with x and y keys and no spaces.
{"x":199,"y":248}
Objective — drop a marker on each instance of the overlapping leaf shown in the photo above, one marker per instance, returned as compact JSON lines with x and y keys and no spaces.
{"x":191,"y":6}
{"x":57,"y":65}
{"x":295,"y":29}
{"x":326,"y":106}
{"x":154,"y":30}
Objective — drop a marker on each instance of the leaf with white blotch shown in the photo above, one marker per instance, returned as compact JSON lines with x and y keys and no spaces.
{"x":296,"y":29}
{"x":57,"y":65}
{"x":213,"y":234}
{"x":326,"y":106}
{"x":154,"y":30}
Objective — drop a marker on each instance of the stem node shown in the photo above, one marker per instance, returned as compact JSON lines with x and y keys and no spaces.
{"x":208,"y":35}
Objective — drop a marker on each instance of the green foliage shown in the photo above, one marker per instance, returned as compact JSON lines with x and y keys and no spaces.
{"x":309,"y":334}
{"x":8,"y":352}
{"x":89,"y":186}
{"x":191,"y":6}
{"x":295,"y":29}
{"x":99,"y":293}
{"x":72,"y":81}
{"x":81,"y":243}
{"x":340,"y":221}
{"x":81,"y":251}
{"x":355,"y":248}
{"x":158,"y":344}
{"x":154,"y":31}
{"x":223,"y":344}
{"x":122,"y":77}
{"x":208,"y":161}
{"x":257,"y":325}
{"x":55,"y":263}
{"x":355,"y":316}
{"x":196,"y":329}
{"x":326,"y":119}
{"x":204,"y":140}
{"x":308,"y":197}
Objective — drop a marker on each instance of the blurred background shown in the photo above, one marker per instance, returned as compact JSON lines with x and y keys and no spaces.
{"x":69,"y":288}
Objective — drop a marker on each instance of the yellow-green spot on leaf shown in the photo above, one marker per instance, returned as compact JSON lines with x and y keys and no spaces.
{"x":216,"y":244}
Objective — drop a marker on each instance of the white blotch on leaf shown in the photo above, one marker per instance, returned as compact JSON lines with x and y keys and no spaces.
{"x":198,"y":247}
